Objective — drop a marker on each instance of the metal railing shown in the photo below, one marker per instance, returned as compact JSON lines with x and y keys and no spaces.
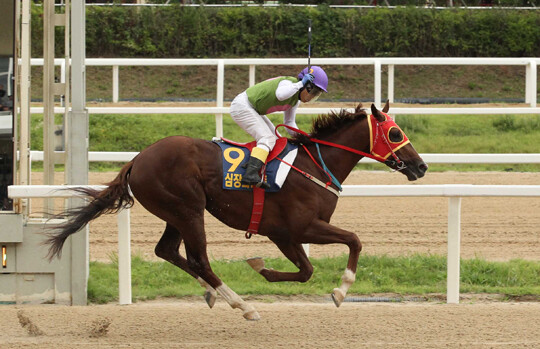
{"x":530,"y":65}
{"x":516,"y":158}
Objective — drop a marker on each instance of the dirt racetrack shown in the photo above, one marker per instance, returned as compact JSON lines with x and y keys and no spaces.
{"x":181,"y":324}
{"x":492,"y":228}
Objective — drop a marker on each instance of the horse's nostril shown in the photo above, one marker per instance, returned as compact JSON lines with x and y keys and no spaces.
{"x":423,"y":167}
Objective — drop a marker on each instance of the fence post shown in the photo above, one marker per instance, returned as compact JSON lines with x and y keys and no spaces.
{"x":62,"y":71}
{"x":533,"y":83}
{"x":453,"y":265}
{"x":124,"y":257}
{"x":219,"y":97}
{"x":390,"y":83}
{"x":530,"y":83}
{"x":115,"y":84}
{"x":377,"y":84}
{"x":251,"y":75}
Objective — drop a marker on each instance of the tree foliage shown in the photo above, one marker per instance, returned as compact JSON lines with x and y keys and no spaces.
{"x":193,"y":32}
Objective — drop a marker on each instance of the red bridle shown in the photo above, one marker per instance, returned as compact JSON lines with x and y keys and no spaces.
{"x":381,"y":147}
{"x":378,"y":133}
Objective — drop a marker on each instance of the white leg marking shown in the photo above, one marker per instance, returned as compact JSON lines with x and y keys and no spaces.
{"x":338,"y":294}
{"x":235,"y":301}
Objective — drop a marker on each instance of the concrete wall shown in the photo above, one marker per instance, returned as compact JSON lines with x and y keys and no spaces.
{"x":28,"y":276}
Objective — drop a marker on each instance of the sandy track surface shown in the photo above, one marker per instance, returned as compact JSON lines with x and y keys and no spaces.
{"x":283,"y":325}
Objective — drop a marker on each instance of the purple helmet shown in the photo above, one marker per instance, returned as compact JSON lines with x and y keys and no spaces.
{"x":320,"y":79}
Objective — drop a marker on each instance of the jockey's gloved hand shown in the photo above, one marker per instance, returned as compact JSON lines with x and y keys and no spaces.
{"x":307,"y":78}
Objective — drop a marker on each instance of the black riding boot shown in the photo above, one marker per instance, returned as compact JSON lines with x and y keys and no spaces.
{"x":252,"y":177}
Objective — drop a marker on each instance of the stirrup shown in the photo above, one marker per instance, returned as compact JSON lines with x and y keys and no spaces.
{"x":263,"y":185}
{"x":252,"y":181}
{"x":252,"y":176}
{"x":259,"y":184}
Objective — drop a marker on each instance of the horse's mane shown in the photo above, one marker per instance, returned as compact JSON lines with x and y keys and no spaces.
{"x":329,"y":123}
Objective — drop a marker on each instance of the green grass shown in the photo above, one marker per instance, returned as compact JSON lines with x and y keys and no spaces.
{"x":428,"y":133}
{"x":345,"y":82}
{"x":408,"y":275}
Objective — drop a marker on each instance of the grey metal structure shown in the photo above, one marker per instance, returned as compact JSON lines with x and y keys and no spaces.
{"x":77,"y":148}
{"x":25,"y":275}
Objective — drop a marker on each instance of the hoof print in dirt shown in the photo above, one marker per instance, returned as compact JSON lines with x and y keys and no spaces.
{"x":100,"y":328}
{"x":28,"y":325}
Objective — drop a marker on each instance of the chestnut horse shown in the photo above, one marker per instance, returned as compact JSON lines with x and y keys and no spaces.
{"x":178,"y":177}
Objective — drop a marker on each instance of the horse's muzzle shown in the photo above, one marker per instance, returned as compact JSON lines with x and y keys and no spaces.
{"x":416,"y":171}
{"x":422,"y":168}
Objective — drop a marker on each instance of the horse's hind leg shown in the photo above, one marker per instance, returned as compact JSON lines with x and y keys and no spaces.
{"x":296,"y":254}
{"x":192,"y":223}
{"x":168,"y":249}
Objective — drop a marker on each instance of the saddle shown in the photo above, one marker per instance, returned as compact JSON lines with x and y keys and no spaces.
{"x":281,"y":143}
{"x":235,"y":155}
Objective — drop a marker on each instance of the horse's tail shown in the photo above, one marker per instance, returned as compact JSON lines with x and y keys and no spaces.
{"x":109,"y":200}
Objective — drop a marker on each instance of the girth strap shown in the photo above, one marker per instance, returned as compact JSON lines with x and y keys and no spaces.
{"x":256,"y":213}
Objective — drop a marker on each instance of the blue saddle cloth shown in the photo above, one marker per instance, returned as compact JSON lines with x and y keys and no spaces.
{"x":235,"y":157}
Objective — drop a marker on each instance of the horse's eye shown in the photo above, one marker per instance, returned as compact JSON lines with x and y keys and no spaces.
{"x":395,"y":135}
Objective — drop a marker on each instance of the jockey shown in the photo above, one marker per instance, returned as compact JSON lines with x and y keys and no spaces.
{"x":282,"y":93}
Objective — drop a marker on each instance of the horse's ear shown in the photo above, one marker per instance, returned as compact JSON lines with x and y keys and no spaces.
{"x":386,"y":106}
{"x":377,"y":114}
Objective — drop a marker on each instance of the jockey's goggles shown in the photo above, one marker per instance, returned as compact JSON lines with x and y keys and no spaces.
{"x":314,"y":92}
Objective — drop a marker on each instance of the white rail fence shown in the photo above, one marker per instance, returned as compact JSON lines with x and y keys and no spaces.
{"x":433,"y":158}
{"x":453,"y":192}
{"x":530,"y":82}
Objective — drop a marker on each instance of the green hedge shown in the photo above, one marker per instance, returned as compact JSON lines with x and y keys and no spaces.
{"x":178,"y":31}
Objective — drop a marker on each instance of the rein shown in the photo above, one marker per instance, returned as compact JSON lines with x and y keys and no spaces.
{"x":399,"y":165}
{"x":344,"y":147}
{"x":320,"y":141}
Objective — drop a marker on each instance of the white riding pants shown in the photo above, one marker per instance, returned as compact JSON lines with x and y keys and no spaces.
{"x":258,"y":126}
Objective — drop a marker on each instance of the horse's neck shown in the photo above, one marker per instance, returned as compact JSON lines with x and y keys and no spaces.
{"x":339,"y":161}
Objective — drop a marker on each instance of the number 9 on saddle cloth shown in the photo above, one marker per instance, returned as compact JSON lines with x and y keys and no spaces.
{"x":236,"y":155}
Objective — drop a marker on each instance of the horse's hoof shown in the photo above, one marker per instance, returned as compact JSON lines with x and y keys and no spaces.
{"x":338,"y":296}
{"x":210,"y":298}
{"x":257,"y":263}
{"x":252,"y":315}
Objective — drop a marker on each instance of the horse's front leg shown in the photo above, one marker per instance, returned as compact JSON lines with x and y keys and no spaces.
{"x":321,"y":232}
{"x":296,"y":254}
